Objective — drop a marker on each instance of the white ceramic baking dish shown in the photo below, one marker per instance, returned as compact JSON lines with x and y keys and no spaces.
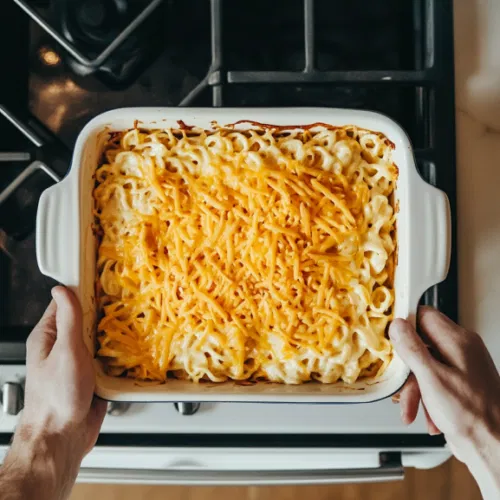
{"x":66,"y":247}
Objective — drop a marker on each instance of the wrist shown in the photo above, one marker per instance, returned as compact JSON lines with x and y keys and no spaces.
{"x":43,"y":465}
{"x":481,"y":454}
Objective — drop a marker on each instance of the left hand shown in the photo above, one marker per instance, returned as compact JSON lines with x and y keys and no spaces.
{"x":60,"y":380}
{"x":61,"y":418}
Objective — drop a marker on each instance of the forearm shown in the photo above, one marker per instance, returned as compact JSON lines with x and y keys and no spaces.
{"x":483,"y":461}
{"x":38,"y":467}
{"x":18,"y":481}
{"x":487,"y":476}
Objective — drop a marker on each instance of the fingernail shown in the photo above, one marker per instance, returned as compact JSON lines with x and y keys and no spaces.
{"x":404,"y":419}
{"x":394,"y":331}
{"x":55,"y":293}
{"x":427,"y":309}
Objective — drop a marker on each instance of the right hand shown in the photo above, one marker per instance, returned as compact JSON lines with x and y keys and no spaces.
{"x":457,"y":382}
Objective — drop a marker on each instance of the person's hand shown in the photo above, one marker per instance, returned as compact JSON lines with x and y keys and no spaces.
{"x":61,"y":417}
{"x":60,"y":381}
{"x":459,"y":386}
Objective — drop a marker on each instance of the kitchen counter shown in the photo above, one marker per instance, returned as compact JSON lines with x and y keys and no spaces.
{"x":477,"y":72}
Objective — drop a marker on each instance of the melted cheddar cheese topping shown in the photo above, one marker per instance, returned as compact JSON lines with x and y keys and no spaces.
{"x":259,"y":254}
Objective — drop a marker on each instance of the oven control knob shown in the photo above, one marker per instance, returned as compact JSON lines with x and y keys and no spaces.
{"x":187,"y":408}
{"x":115,"y":408}
{"x":12,"y":398}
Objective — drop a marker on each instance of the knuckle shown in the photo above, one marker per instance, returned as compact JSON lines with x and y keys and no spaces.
{"x":31,"y":340}
{"x":414,"y":347}
{"x":414,"y":344}
{"x":473,"y":339}
{"x":475,"y":350}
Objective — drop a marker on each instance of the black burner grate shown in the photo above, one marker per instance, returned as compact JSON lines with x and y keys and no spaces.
{"x":391,"y":56}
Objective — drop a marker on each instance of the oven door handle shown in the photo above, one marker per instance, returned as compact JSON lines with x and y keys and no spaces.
{"x":243,"y":477}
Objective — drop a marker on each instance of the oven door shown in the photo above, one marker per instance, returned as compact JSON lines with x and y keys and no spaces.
{"x":255,"y":466}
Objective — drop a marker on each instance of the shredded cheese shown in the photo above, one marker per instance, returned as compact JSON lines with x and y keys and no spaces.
{"x":255,"y":254}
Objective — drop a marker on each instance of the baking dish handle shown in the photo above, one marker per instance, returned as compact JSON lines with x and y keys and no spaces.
{"x":57,"y":234}
{"x":430,"y":236}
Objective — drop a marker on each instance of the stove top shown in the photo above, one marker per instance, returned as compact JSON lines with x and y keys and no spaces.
{"x":63,"y":67}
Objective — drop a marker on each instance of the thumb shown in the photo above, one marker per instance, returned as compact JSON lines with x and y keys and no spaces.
{"x":411,"y":348}
{"x":68,"y":316}
{"x":43,"y":336}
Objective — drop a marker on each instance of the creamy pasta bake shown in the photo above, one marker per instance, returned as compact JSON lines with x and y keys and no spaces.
{"x":256,"y":254}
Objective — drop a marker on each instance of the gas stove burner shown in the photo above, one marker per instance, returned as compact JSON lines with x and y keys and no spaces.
{"x":115,"y":40}
{"x":94,"y":23}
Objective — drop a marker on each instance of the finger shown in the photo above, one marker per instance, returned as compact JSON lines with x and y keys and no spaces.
{"x":68,"y":317}
{"x":432,"y":428}
{"x":409,"y":400}
{"x":396,"y":397}
{"x":42,"y":338}
{"x":411,"y":348}
{"x":448,"y":338}
{"x":95,"y":418}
